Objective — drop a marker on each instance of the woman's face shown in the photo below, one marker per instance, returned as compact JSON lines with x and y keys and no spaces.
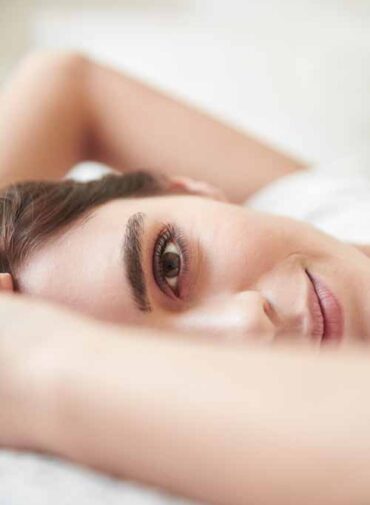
{"x":202,"y":266}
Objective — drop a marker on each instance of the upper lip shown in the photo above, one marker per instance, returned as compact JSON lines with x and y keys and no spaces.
{"x":325,"y":311}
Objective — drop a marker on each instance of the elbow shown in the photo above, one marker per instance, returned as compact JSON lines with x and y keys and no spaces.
{"x":55,"y":83}
{"x":51,"y":62}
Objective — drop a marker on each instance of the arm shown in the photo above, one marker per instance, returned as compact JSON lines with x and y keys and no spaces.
{"x":222,"y":424}
{"x":65,"y":108}
{"x":43,"y":121}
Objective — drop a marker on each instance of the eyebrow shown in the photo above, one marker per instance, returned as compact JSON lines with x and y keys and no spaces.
{"x":133,"y":261}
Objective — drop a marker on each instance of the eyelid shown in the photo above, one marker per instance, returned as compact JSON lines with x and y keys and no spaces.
{"x":167,"y":236}
{"x":187,"y":268}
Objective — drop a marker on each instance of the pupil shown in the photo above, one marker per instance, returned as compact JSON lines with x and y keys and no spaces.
{"x":171,"y":264}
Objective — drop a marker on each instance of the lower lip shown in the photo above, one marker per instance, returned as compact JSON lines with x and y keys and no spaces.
{"x":331,"y":310}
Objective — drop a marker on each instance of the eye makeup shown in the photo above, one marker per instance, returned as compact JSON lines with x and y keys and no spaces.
{"x":171,"y":241}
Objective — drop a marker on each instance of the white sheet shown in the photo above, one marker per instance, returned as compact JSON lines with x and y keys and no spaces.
{"x":32,"y":479}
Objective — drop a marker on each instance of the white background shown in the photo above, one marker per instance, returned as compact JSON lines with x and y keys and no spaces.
{"x":293,"y":72}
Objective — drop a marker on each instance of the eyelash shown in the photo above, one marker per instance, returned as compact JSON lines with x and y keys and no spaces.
{"x":170,"y":234}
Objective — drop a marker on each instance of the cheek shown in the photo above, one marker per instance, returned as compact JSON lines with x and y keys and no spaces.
{"x":236,"y":256}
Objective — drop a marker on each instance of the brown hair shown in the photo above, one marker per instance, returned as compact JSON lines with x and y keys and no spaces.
{"x":33,"y":211}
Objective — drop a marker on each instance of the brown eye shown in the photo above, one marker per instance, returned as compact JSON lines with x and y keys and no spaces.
{"x":171,"y":264}
{"x":170,"y":261}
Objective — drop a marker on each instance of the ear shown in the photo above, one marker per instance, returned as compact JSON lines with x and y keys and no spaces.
{"x":6,"y":282}
{"x":195,"y":187}
{"x":363,"y":248}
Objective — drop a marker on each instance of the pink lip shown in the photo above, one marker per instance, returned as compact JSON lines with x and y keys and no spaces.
{"x":326,"y":312}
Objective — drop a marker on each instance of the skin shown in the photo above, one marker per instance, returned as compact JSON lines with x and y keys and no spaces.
{"x":239,"y":296}
{"x":92,"y":125}
{"x":228,"y":425}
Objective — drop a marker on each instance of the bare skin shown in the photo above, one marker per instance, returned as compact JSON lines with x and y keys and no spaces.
{"x":103,"y":115}
{"x":87,"y":111}
{"x":253,"y":438}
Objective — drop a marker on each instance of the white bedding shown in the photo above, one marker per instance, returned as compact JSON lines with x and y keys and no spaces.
{"x":30,"y":479}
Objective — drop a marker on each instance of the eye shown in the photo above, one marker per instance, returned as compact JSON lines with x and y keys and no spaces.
{"x":169,"y":261}
{"x":171,"y":264}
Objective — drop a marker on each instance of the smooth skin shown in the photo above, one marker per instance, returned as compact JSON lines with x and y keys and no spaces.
{"x":226,"y":424}
{"x":88,"y":111}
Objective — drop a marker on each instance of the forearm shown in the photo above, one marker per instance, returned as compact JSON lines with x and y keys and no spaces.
{"x":222,"y":425}
{"x":43,"y":119}
{"x":60,"y":109}
{"x":134,"y":125}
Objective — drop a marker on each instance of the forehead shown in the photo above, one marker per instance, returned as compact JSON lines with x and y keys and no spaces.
{"x":82,"y":266}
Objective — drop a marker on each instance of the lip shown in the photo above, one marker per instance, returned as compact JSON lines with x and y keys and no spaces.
{"x":326,"y":312}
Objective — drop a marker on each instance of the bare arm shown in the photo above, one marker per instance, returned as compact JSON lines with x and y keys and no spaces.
{"x":43,"y":121}
{"x":221,"y":424}
{"x":63,"y":108}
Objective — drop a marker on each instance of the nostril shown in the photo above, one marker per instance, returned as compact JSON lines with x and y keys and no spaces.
{"x":269,"y":310}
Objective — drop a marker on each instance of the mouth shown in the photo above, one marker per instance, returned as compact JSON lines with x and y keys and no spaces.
{"x":326,"y":312}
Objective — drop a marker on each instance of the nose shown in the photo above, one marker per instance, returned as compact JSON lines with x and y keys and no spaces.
{"x":238,"y":317}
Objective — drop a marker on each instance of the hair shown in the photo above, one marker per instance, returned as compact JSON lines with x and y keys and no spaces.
{"x":34,"y":211}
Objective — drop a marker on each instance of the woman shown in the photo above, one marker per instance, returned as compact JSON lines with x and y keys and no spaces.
{"x":196,"y":265}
